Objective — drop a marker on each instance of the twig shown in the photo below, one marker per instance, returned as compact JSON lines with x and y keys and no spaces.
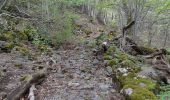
{"x":3,"y":4}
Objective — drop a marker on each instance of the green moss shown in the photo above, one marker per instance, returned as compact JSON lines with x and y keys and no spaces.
{"x":88,"y":32}
{"x":21,"y":35}
{"x":23,"y":51}
{"x":19,"y":66}
{"x":142,"y":87}
{"x":140,"y":93}
{"x":122,"y":56}
{"x":147,"y":50}
{"x":108,"y":57}
{"x":43,"y":48}
{"x":128,"y":63}
{"x":111,"y":50}
{"x":8,"y":47}
{"x":168,"y":51}
{"x":132,"y":80}
{"x":112,"y":62}
{"x":8,"y":36}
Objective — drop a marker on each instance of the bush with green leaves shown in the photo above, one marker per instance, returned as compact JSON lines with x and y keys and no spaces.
{"x":65,"y":30}
{"x":36,"y":37}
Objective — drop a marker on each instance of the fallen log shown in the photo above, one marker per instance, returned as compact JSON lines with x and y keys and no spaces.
{"x":160,"y":53}
{"x":25,"y":86}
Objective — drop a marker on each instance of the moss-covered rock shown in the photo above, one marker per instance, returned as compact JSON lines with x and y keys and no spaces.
{"x":142,"y":87}
{"x":140,"y":93}
{"x":132,"y":79}
{"x":147,"y":50}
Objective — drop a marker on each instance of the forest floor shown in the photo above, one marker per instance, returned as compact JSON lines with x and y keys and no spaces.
{"x":75,"y":73}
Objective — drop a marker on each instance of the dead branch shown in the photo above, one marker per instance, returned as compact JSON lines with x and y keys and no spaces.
{"x":31,"y":92}
{"x":21,"y":13}
{"x":129,"y":25}
{"x":160,"y":52}
{"x":24,"y":87}
{"x":16,"y":17}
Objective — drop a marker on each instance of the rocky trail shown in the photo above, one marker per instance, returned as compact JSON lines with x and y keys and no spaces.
{"x":77,"y":75}
{"x":74,"y":71}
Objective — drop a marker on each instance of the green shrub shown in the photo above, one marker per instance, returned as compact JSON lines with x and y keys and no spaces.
{"x":65,"y":31}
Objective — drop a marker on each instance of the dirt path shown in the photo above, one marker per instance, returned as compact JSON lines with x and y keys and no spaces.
{"x":77,"y":75}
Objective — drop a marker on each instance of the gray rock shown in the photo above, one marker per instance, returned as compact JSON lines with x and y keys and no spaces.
{"x":104,"y":87}
{"x":128,"y":91}
{"x":109,"y":70}
{"x":95,"y":62}
{"x":142,"y":84}
{"x":2,"y":44}
{"x":3,"y":95}
{"x":148,"y":72}
{"x":73,"y":84}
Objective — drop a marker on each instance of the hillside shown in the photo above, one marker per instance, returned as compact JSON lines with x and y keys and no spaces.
{"x":79,"y":50}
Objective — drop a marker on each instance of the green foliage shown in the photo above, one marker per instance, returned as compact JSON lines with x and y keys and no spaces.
{"x":100,"y":39}
{"x":142,"y":87}
{"x":65,"y":32}
{"x":164,"y":5}
{"x":74,"y":2}
{"x":164,"y":92}
{"x":108,"y":57}
{"x":112,"y":62}
{"x":105,"y":4}
{"x":9,"y":46}
{"x":168,"y":51}
{"x":36,"y":37}
{"x":23,"y":51}
{"x":7,"y":36}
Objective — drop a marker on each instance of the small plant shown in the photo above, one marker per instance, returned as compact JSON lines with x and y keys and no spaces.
{"x":19,"y":66}
{"x":164,"y":92}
